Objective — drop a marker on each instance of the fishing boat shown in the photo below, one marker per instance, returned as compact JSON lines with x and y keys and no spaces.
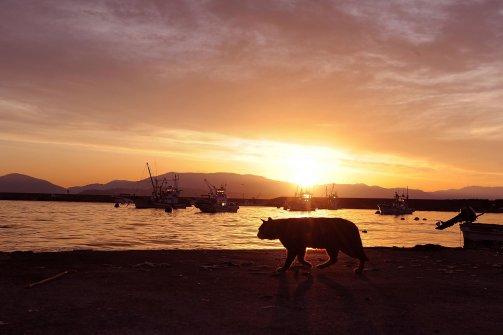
{"x":165,"y":195}
{"x":302,"y":202}
{"x":475,"y":234}
{"x":331,"y":200}
{"x":398,"y":206}
{"x":216,"y":201}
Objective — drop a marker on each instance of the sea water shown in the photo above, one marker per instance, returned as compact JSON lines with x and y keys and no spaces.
{"x":52,"y":226}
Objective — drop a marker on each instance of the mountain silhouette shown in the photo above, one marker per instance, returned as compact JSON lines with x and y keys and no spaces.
{"x":20,"y":183}
{"x":238,"y":186}
{"x":193,"y":184}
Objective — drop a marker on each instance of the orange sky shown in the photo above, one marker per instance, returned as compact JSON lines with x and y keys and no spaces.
{"x":388,"y":93}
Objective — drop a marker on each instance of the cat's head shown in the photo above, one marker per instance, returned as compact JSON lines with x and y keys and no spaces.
{"x":268,"y":230}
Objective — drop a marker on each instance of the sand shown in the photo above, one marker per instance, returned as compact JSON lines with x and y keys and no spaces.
{"x":402,"y":291}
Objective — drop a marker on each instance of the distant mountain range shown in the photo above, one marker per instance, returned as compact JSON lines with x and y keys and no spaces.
{"x":238,"y":185}
{"x":20,"y":183}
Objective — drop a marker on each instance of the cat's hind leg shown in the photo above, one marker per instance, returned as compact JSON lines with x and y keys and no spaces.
{"x":301,"y":258}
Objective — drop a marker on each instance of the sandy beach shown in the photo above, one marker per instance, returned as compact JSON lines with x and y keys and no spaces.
{"x":402,"y":291}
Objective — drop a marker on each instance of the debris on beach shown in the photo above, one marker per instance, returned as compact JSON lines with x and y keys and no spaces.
{"x":151,"y":265}
{"x":269,"y":307}
{"x":46,"y":280}
{"x":224,"y":264}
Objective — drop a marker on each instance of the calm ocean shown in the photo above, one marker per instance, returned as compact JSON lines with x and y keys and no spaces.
{"x":51,"y":226}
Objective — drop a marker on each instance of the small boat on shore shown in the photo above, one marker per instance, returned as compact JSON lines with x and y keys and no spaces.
{"x":302,"y":202}
{"x":216,"y":201}
{"x":496,"y":210}
{"x":475,"y":234}
{"x":165,"y":195}
{"x":481,"y":234}
{"x":398,"y":206}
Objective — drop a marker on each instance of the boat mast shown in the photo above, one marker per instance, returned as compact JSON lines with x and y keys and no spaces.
{"x":213,"y":189}
{"x":150,"y":174}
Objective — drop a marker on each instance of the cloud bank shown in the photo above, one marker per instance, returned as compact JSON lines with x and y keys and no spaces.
{"x":400,"y":82}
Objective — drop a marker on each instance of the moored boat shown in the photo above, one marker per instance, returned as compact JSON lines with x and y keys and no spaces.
{"x":302,"y":202}
{"x":475,"y":234}
{"x":164,"y":194}
{"x":398,"y":206}
{"x":481,"y":234}
{"x":331,"y":200}
{"x":216,"y":201}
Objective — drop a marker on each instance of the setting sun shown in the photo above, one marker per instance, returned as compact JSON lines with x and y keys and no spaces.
{"x":305,"y":170}
{"x":305,"y":165}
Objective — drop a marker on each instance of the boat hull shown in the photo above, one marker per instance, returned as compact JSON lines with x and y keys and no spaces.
{"x":390,"y":210}
{"x":482,"y":235}
{"x":299,"y":208}
{"x":330,"y":203}
{"x":217,"y":208}
{"x":299,"y":205}
{"x":144,"y":203}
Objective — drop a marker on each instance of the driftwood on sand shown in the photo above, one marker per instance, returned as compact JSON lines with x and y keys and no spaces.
{"x":46,"y":280}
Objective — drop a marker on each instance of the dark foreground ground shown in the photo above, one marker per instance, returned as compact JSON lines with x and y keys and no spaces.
{"x":403,"y":291}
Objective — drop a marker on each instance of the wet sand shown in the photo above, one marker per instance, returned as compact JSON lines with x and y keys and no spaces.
{"x":402,"y":291}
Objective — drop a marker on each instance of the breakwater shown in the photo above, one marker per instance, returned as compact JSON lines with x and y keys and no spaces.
{"x":480,"y":205}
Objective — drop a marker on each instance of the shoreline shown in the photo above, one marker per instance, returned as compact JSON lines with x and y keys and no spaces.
{"x":15,"y":253}
{"x":427,"y":289}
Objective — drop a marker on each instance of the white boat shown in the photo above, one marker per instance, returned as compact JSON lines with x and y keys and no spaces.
{"x":216,"y":201}
{"x":398,"y":206}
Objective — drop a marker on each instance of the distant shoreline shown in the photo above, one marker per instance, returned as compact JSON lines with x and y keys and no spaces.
{"x":446,"y":205}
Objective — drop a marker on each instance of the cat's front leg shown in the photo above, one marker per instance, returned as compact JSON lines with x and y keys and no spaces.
{"x":290,"y":256}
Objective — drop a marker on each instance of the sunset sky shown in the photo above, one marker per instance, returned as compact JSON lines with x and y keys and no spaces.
{"x":388,"y":93}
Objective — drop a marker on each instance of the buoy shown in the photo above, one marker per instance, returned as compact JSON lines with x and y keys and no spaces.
{"x":402,"y":219}
{"x":116,"y":205}
{"x":424,"y":219}
{"x":168,"y":209}
{"x":377,"y":212}
{"x":416,"y":219}
{"x":364,"y":231}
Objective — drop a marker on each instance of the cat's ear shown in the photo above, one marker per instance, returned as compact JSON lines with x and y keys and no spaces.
{"x":269,"y":219}
{"x":263,"y":221}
